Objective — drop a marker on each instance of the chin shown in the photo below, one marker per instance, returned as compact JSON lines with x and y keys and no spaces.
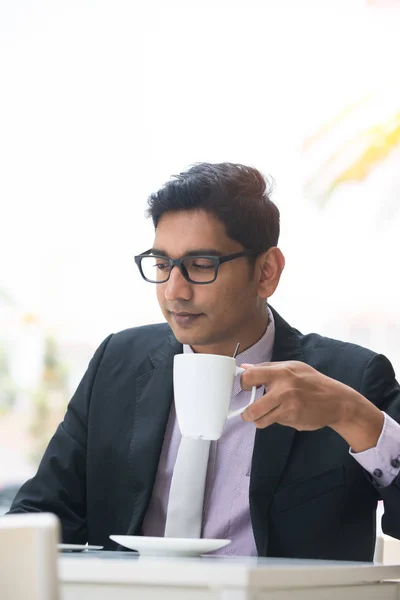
{"x":187,"y":337}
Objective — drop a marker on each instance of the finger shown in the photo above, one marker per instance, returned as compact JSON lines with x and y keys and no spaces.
{"x":269,"y":363}
{"x":262,"y":374}
{"x":261,"y":407}
{"x":269,"y":419}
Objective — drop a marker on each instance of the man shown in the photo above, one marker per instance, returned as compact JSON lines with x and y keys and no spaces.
{"x":300,"y":475}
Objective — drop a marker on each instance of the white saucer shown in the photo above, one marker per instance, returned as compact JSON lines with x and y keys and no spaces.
{"x":77,"y":547}
{"x":165,"y":546}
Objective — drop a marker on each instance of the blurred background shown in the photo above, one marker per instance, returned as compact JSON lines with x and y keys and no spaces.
{"x":101,"y":102}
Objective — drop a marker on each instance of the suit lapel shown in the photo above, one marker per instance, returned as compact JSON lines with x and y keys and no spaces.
{"x":154,"y":393}
{"x":272,"y":445}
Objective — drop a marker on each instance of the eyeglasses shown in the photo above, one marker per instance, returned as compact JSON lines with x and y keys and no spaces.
{"x":199,"y":269}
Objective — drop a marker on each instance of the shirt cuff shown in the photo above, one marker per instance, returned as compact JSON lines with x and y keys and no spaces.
{"x":383,"y":461}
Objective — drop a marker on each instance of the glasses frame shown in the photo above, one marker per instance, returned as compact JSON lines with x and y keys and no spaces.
{"x":178,"y":262}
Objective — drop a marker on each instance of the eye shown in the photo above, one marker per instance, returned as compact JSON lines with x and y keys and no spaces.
{"x":162,"y":265}
{"x":202,"y":264}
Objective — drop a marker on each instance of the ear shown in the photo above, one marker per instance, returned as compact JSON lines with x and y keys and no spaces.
{"x":269,"y":266}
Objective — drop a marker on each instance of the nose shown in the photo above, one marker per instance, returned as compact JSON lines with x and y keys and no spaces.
{"x":177,"y":288}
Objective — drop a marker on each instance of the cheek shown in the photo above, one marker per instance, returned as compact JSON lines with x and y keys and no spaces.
{"x":235,"y":289}
{"x":225,"y":300}
{"x":206,"y":298}
{"x":237,"y":299}
{"x":160,"y":294}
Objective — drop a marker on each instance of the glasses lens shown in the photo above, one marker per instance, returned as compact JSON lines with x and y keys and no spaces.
{"x":155,"y":268}
{"x":200,"y":270}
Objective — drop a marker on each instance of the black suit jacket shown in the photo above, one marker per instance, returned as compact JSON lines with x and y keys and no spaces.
{"x":308,"y":496}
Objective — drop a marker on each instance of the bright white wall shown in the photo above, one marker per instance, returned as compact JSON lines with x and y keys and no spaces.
{"x":102,"y":101}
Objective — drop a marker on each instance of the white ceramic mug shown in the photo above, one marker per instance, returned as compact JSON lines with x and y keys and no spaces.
{"x":203,"y":385}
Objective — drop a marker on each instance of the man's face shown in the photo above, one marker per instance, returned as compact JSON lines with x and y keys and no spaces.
{"x":214,"y":316}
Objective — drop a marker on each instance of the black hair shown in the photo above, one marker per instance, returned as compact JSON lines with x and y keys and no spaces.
{"x":237,"y":195}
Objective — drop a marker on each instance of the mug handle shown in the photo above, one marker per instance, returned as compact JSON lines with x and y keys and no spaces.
{"x":235,"y":413}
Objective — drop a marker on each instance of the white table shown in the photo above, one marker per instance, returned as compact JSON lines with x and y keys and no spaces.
{"x":119,"y":576}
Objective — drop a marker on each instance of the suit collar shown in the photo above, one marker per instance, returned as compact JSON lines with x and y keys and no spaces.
{"x":166,"y":351}
{"x":161,"y":355}
{"x":287,"y":344}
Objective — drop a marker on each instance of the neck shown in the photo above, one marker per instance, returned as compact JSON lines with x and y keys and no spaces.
{"x":247,"y":337}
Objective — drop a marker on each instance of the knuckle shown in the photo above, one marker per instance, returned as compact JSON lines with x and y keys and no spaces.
{"x":289,"y":370}
{"x":250,"y":413}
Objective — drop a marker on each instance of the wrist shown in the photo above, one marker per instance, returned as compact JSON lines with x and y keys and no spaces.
{"x":360,"y":422}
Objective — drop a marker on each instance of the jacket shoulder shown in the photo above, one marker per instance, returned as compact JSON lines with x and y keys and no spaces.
{"x":313,"y":342}
{"x":316,"y":348}
{"x":338,"y":359}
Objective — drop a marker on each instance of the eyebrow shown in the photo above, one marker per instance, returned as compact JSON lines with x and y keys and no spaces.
{"x":197,"y":252}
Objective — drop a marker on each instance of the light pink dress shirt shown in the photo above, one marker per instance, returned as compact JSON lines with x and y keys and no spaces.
{"x":226,"y":512}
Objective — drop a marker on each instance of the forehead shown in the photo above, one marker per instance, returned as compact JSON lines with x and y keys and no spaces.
{"x":181,"y":231}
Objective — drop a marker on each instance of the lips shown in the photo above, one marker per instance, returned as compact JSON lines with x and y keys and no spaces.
{"x":184,"y":318}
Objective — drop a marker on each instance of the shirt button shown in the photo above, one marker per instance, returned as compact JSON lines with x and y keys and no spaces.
{"x":377,"y":473}
{"x":395,"y":463}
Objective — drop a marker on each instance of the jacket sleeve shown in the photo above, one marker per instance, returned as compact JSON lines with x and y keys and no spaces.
{"x":59,"y":485}
{"x":379,"y":385}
